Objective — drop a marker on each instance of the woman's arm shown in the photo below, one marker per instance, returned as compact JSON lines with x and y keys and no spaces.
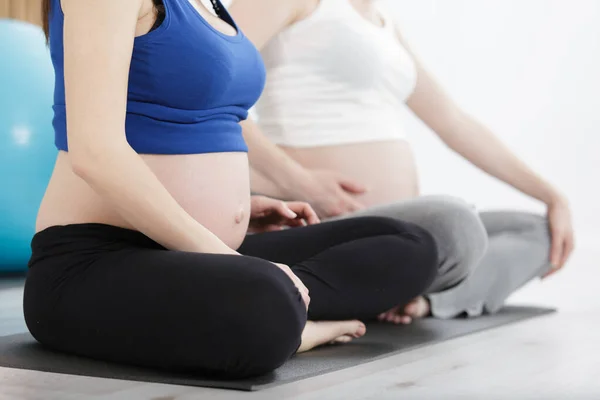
{"x":98,"y":43}
{"x":471,"y":139}
{"x":274,"y":172}
{"x":476,"y":143}
{"x":261,"y":20}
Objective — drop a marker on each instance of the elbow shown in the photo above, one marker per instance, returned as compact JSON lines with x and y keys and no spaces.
{"x":89,"y":158}
{"x":86,"y":159}
{"x":81,"y":170}
{"x":82,"y":163}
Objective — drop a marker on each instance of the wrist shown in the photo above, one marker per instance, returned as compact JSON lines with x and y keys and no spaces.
{"x":209,"y":243}
{"x":555,"y":198}
{"x":224,"y":250}
{"x":294,"y":184}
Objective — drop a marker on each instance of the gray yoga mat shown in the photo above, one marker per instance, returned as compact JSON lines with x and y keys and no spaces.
{"x":382,"y":340}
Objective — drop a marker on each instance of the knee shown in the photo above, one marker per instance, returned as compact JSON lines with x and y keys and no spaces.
{"x":533,"y":225}
{"x":270,"y":330}
{"x":525,"y":226}
{"x":459,"y":233}
{"x":413,"y":254}
{"x":533,"y":229}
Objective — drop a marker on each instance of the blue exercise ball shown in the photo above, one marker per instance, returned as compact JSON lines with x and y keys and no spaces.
{"x":27,"y":154}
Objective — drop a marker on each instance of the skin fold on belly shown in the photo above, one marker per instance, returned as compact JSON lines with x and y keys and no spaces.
{"x":213,"y":188}
{"x":386,"y":168}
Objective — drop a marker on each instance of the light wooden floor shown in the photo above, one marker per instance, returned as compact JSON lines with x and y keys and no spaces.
{"x":554,"y":357}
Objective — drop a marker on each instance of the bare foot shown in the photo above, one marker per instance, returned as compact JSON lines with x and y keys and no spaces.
{"x":317,"y":333}
{"x":418,"y":308}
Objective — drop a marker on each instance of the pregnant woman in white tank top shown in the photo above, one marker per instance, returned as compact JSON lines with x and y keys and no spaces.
{"x":331,"y":132}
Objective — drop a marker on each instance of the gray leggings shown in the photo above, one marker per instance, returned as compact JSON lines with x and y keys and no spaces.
{"x":483,"y":257}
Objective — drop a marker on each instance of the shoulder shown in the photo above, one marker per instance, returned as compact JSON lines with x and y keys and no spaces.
{"x":305,"y":8}
{"x":104,"y":8}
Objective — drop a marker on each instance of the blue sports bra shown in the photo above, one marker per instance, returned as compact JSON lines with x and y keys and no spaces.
{"x":189,"y":84}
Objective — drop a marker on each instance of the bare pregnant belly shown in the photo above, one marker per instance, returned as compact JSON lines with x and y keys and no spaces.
{"x":386,"y":168}
{"x":213,"y":188}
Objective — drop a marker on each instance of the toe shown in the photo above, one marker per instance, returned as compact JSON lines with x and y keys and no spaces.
{"x":362,"y":329}
{"x":342,"y":339}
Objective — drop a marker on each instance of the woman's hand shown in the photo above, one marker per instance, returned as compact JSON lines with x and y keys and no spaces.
{"x":331,"y":193}
{"x":561,"y":231}
{"x":303,"y":289}
{"x":267,"y":215}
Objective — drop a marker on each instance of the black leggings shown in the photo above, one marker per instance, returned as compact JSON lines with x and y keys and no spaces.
{"x":116,"y":295}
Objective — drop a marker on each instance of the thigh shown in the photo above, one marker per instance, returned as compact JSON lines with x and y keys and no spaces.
{"x":354,"y":268}
{"x":455,"y":225}
{"x":514,"y":222}
{"x":173,"y":310}
{"x":418,"y":210}
{"x":297,"y":244}
{"x":363,"y":277}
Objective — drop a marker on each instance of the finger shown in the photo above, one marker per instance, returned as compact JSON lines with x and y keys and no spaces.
{"x":351,"y":204}
{"x":351,"y":186}
{"x":282,"y":209}
{"x":305,"y":211}
{"x":334,"y":211}
{"x":405,"y":319}
{"x":310,"y":215}
{"x":552,"y":271}
{"x":306,"y":299}
{"x":300,"y":284}
{"x":298,"y":221}
{"x":383,"y":316}
{"x":568,"y":250}
{"x":554,"y":268}
{"x":556,"y":249}
{"x":288,"y":272}
{"x":305,"y":288}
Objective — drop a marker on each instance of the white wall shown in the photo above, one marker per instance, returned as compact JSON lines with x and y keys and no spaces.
{"x":529,"y":69}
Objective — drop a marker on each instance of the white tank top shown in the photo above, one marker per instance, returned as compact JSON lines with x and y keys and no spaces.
{"x":335,"y":78}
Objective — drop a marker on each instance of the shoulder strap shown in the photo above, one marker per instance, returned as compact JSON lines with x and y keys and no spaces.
{"x":222,"y":13}
{"x":219,"y":8}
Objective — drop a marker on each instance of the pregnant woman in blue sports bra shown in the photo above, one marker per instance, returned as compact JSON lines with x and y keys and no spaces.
{"x":141,"y":254}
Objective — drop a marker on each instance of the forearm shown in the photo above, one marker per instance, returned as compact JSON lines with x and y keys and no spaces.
{"x":125,"y":182}
{"x":476,"y":143}
{"x":261,"y":185}
{"x":274,"y":172}
{"x":471,"y":139}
